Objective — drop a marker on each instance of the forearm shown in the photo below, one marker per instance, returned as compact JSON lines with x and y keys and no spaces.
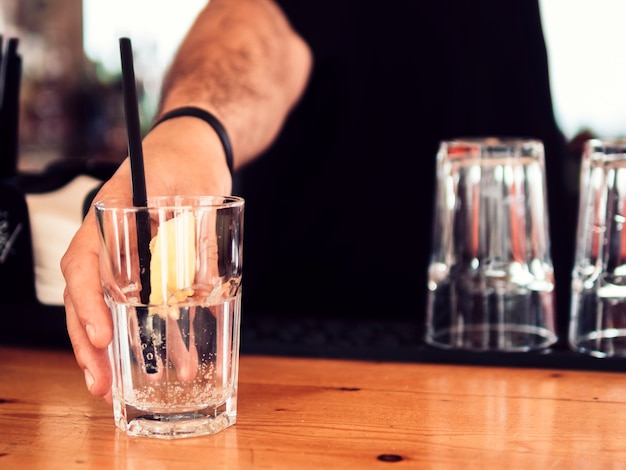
{"x":242,"y":61}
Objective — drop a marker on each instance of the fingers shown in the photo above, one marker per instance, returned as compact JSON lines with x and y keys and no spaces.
{"x":80,"y":267}
{"x":94,"y":361}
{"x":88,"y":319}
{"x":181,"y":349}
{"x":183,"y":357}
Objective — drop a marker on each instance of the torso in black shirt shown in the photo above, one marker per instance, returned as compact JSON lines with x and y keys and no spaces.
{"x":338,"y":211}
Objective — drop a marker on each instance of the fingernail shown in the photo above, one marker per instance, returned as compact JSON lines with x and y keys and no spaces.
{"x":89,"y":380}
{"x":91,"y":331}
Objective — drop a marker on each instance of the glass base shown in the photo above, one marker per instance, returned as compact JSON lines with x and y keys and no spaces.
{"x":610,"y":342}
{"x":174,"y":425}
{"x":492,"y":338}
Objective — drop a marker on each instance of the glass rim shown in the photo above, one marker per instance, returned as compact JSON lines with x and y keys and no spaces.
{"x":489,"y":148}
{"x":493,"y":141}
{"x":607,"y":141}
{"x":172,"y":202}
{"x":605,"y":146}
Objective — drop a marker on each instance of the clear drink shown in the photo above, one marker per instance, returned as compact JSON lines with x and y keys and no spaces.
{"x":193,"y":389}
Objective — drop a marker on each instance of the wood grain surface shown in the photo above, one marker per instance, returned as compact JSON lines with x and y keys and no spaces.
{"x":300,"y":414}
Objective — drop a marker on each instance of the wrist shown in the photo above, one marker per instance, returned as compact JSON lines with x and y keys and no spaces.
{"x":185,"y":156}
{"x":210,"y":119}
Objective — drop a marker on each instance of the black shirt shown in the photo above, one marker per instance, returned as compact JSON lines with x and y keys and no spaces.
{"x":338,"y":211}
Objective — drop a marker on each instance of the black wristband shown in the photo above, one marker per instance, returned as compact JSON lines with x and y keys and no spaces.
{"x":192,"y":111}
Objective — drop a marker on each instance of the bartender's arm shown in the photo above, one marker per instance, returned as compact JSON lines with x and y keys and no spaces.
{"x":241,"y":61}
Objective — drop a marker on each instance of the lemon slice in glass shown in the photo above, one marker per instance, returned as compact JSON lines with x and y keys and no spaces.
{"x":173,"y":260}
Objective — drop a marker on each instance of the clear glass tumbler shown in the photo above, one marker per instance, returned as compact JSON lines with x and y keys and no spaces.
{"x":171,"y":275}
{"x":491,"y":278}
{"x":598,"y":309}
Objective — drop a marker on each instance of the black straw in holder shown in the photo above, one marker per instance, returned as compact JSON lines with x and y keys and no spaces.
{"x":140,"y":199}
{"x":10,"y":81}
{"x":1,"y":57}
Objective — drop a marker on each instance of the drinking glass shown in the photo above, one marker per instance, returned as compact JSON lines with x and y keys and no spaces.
{"x":171,"y":275}
{"x":598,"y":310}
{"x":490,"y":277}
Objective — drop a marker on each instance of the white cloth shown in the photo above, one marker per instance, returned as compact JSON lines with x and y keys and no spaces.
{"x":54,"y":219}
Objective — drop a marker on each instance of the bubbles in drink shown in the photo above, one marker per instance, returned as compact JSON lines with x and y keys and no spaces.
{"x":195,"y":356}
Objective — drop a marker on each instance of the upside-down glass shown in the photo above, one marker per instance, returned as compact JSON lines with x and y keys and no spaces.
{"x":491,"y":278}
{"x":171,"y":274}
{"x":598,"y":311}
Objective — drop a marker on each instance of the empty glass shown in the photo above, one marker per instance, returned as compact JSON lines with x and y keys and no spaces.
{"x":598,"y":315}
{"x":491,"y":278}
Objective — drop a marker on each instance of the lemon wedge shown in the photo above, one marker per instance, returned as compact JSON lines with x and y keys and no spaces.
{"x":173,"y":261}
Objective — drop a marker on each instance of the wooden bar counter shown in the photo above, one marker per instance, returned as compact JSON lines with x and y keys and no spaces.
{"x":302,"y":413}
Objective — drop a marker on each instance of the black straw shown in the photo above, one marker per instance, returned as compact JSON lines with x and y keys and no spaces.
{"x":1,"y":53}
{"x":140,"y":199}
{"x":133,"y":128}
{"x":10,"y":82}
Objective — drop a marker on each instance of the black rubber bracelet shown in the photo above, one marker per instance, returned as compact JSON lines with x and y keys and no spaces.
{"x":192,"y":111}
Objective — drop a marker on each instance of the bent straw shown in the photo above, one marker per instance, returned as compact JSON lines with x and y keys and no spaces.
{"x":140,"y":199}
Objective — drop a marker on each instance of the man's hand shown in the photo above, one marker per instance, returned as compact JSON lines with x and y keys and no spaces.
{"x":240,"y":60}
{"x":182,"y":156}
